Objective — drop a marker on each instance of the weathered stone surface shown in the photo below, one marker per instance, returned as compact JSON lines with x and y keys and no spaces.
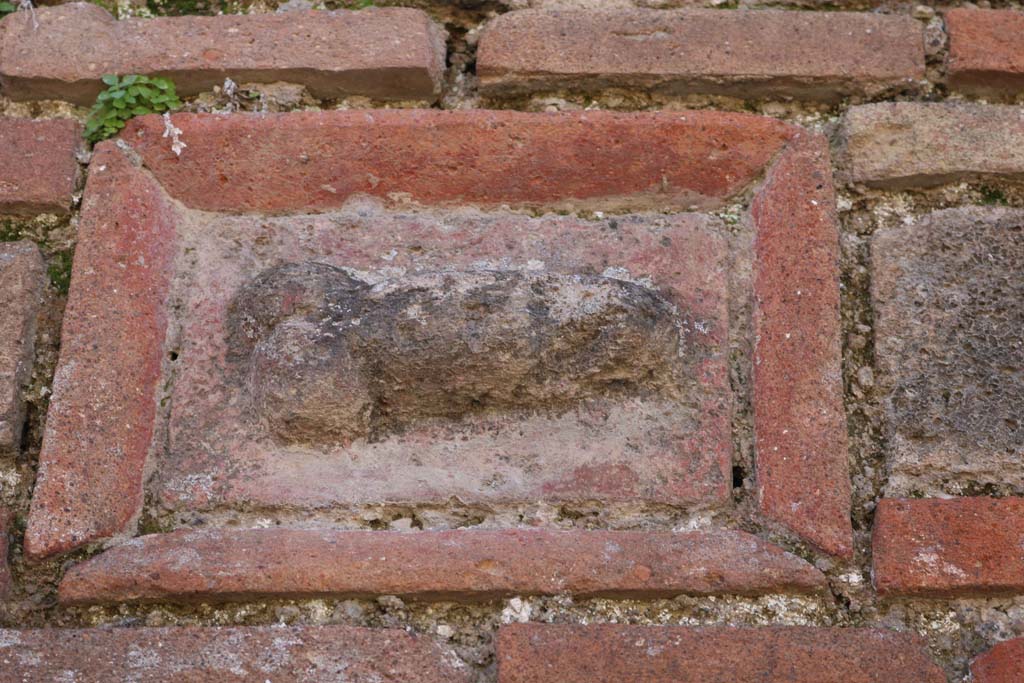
{"x":543,"y":653}
{"x":244,"y":432}
{"x":22,"y":279}
{"x":314,"y":161}
{"x":815,"y":56}
{"x":986,"y":51}
{"x":1004,"y":663}
{"x":917,"y":144}
{"x":949,"y":309}
{"x":100,"y":421}
{"x":462,"y":564}
{"x":956,"y":547}
{"x":384,"y":53}
{"x":282,"y":654}
{"x":799,"y":420}
{"x":38,"y":165}
{"x":331,"y":357}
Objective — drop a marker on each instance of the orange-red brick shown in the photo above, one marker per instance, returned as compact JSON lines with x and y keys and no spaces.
{"x":463,"y":564}
{"x":536,"y":653}
{"x":748,"y":54}
{"x":296,"y":654}
{"x":1004,"y":663}
{"x":986,"y":51}
{"x":38,"y":165}
{"x":385,"y":53}
{"x":944,"y":548}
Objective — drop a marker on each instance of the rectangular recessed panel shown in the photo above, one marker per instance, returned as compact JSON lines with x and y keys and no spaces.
{"x":369,"y":356}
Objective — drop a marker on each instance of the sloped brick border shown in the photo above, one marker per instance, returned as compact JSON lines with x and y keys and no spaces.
{"x":100,"y":426}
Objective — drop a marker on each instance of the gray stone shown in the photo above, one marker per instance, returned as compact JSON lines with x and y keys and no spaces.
{"x":331,"y":357}
{"x":949,"y":305}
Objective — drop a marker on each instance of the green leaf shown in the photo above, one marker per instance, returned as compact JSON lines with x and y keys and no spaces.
{"x":109,"y":79}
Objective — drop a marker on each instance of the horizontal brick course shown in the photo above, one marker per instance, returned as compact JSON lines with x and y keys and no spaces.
{"x":38,"y":165}
{"x":22,"y":279}
{"x":281,"y":654}
{"x":901,"y":145}
{"x":383,"y":53}
{"x":461,"y":564}
{"x":1004,"y":663}
{"x":943,"y":548}
{"x":317,"y":160}
{"x":986,"y":51}
{"x":749,"y":54}
{"x":535,"y":653}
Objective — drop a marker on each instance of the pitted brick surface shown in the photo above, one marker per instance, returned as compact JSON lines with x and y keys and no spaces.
{"x":814,"y":56}
{"x":22,"y":279}
{"x":38,"y":165}
{"x":945,"y":548}
{"x":384,"y":53}
{"x":281,"y":654}
{"x":541,"y":653}
{"x":462,"y":564}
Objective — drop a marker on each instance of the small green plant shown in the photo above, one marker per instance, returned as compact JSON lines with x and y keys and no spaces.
{"x":7,"y":8}
{"x":126,"y":97}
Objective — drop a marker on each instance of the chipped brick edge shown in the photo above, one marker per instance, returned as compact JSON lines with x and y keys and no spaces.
{"x":101,"y":418}
{"x":799,"y":419}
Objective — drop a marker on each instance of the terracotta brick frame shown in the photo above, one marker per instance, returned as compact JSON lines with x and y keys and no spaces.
{"x":100,"y":427}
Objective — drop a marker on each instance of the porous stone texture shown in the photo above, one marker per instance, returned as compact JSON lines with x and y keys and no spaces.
{"x":333,"y":358}
{"x":799,"y":422}
{"x":100,"y":422}
{"x":813,"y":56}
{"x":383,"y":53}
{"x":314,"y":161}
{"x":460,"y":565}
{"x":986,"y":51}
{"x":943,"y":548}
{"x":38,"y":165}
{"x":22,"y":279}
{"x":1002,"y":664}
{"x":949,"y":307}
{"x":416,"y":357}
{"x":545,"y":653}
{"x":899,"y":145}
{"x":282,"y":654}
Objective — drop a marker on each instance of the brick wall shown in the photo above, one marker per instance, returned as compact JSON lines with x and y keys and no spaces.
{"x":514,"y":342}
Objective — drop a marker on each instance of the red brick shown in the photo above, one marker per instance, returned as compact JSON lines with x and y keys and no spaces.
{"x":901,"y":145}
{"x":105,"y":386}
{"x":535,"y":653}
{"x":460,"y":564}
{"x":958,"y":547}
{"x":748,"y":54}
{"x":986,"y":51}
{"x":383,"y":53}
{"x":5,"y":572}
{"x":282,"y":654}
{"x":316,"y":160}
{"x":38,"y":166}
{"x":22,"y":279}
{"x":1002,"y":664}
{"x":799,"y":420}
